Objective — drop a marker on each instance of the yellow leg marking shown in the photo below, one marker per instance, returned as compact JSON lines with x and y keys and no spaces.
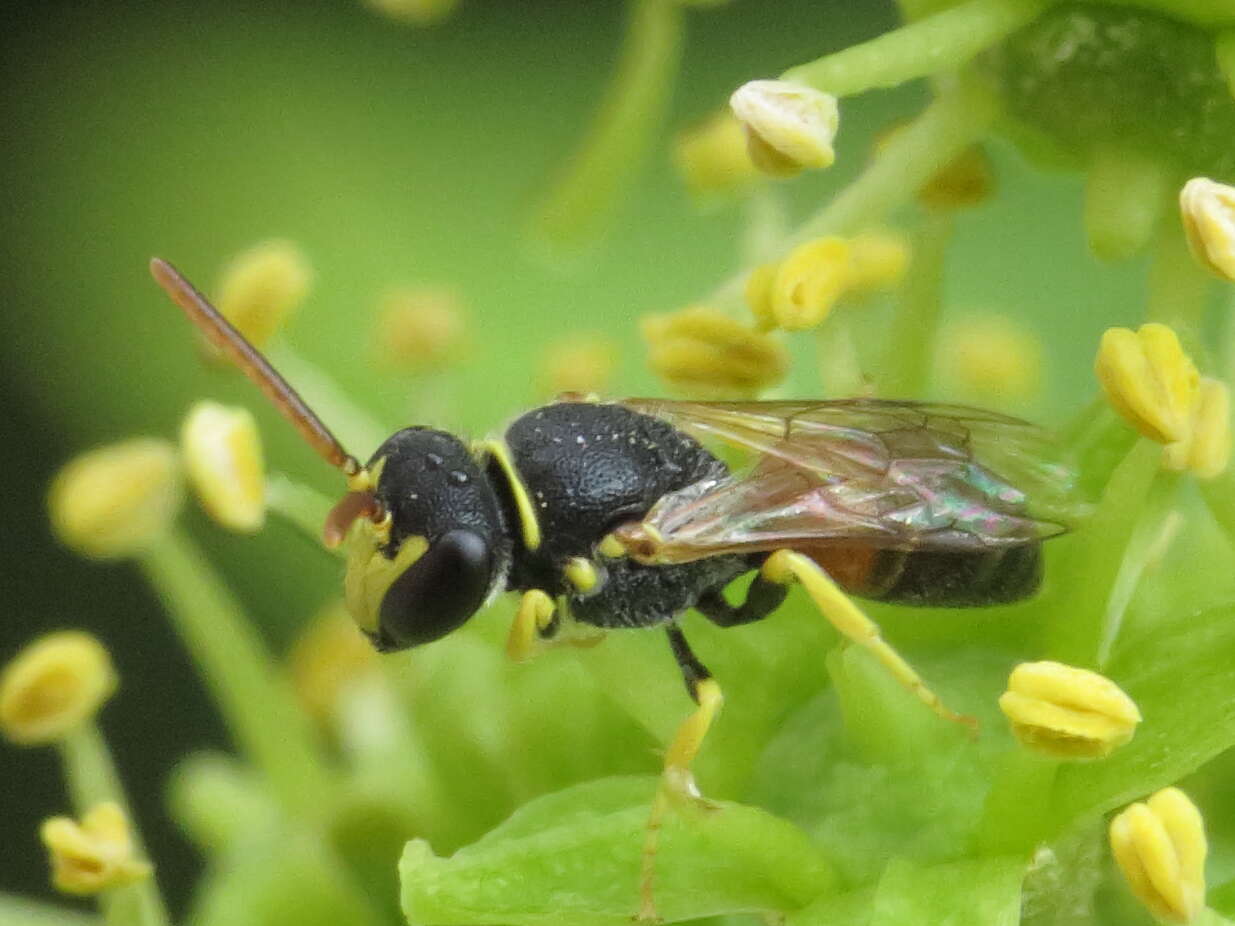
{"x":676,"y":784}
{"x":784,"y":566}
{"x":534,"y":614}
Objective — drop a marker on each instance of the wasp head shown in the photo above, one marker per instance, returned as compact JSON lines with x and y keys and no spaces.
{"x":441,"y":550}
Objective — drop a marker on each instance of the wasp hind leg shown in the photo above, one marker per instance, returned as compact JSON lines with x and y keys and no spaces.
{"x":677,"y":783}
{"x":787,"y":566}
{"x":763,"y":596}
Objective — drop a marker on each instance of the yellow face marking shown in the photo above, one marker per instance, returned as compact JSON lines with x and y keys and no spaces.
{"x":581,"y":574}
{"x":528,"y":521}
{"x":370,"y":574}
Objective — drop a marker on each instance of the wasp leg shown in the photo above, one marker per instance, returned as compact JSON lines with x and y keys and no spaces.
{"x":536,"y":618}
{"x":677,"y":782}
{"x":763,"y":596}
{"x":786,"y":566}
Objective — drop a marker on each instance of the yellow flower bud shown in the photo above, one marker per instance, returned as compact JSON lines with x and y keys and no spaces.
{"x":329,"y":654}
{"x":420,"y":329}
{"x":809,"y":282}
{"x":54,"y":685}
{"x":1067,"y":713}
{"x":579,"y":363}
{"x":223,"y":459}
{"x":261,"y":288}
{"x":96,"y":854}
{"x":116,"y":500}
{"x":703,"y":351}
{"x":1149,"y":380}
{"x":993,"y":357}
{"x":713,"y":157}
{"x":415,"y":12}
{"x":1208,"y":212}
{"x":1206,"y":448}
{"x":759,"y":295}
{"x":877,"y":262}
{"x":1160,"y":847}
{"x":964,"y":182}
{"x":789,"y":126}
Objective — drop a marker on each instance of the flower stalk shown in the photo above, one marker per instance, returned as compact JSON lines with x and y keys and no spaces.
{"x":256,"y":702}
{"x":944,"y":41}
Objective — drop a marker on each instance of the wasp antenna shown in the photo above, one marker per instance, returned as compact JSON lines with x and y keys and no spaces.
{"x":223,"y":335}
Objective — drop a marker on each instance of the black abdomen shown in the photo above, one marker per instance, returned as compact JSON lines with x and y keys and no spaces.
{"x":935,"y":579}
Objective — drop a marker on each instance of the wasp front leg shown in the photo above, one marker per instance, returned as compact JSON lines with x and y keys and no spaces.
{"x":677,"y":783}
{"x":786,"y":566}
{"x":536,"y":619}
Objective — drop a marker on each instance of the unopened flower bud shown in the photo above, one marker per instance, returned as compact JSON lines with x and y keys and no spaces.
{"x":262,"y":287}
{"x":1206,"y":449}
{"x":1208,"y":212}
{"x":54,"y":685}
{"x":1067,"y":713}
{"x":703,"y":351}
{"x":116,"y":500}
{"x":789,"y":127}
{"x":877,"y":262}
{"x":420,"y":329}
{"x":1149,"y":380}
{"x":993,"y":357}
{"x":223,"y":459}
{"x":581,"y":364}
{"x":713,"y":157}
{"x":1160,"y":847}
{"x":96,"y":854}
{"x":808,"y":283}
{"x":329,"y":655}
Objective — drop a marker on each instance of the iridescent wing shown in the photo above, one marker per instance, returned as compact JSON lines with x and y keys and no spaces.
{"x":892,"y":475}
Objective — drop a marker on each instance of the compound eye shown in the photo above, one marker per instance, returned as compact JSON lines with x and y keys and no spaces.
{"x":438,"y":592}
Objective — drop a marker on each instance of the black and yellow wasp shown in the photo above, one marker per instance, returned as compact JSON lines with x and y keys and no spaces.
{"x":613,"y":514}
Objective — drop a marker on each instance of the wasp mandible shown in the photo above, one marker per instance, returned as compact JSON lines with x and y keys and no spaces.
{"x":615,"y":515}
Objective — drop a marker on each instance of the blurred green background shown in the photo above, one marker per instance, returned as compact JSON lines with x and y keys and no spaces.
{"x":392,"y":155}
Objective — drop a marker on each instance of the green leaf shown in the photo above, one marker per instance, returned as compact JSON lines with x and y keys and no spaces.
{"x":1181,"y":678}
{"x":573,"y":857}
{"x":985,"y":892}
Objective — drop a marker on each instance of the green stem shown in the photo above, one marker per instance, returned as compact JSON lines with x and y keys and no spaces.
{"x":1179,"y":290}
{"x":255,"y":700}
{"x":25,"y":911}
{"x":1219,"y":495}
{"x":1224,"y":47}
{"x":573,"y":211}
{"x":911,"y":339}
{"x":1154,"y":511}
{"x":300,"y":505}
{"x":766,"y":222}
{"x":941,"y":42}
{"x":355,"y":427}
{"x":1124,"y":197}
{"x":949,"y":125}
{"x":1081,"y":616}
{"x":92,"y":779}
{"x":840,"y":365}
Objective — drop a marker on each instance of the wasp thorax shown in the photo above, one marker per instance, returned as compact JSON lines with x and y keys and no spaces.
{"x":444,"y":550}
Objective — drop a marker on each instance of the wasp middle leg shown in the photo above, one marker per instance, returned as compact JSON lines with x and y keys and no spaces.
{"x":787,"y":566}
{"x":677,"y":783}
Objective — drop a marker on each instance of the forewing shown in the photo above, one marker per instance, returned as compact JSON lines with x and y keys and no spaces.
{"x":891,"y":475}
